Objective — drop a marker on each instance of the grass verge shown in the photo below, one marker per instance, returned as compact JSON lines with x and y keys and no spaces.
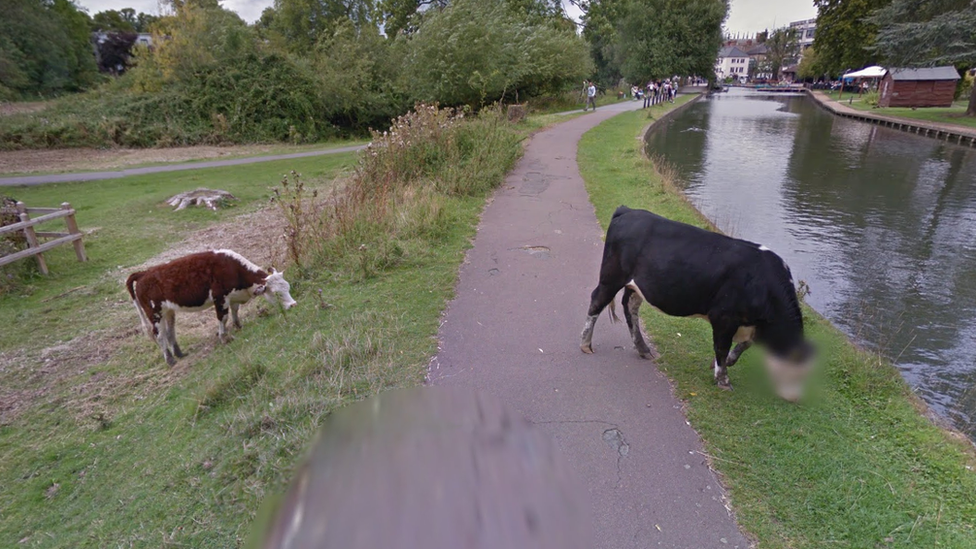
{"x":856,"y":465}
{"x":954,"y":115}
{"x":114,"y":448}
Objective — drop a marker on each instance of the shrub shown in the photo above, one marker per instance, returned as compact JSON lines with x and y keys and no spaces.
{"x":399,"y":199}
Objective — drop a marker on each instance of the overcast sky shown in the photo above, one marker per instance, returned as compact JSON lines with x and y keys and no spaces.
{"x":747,"y":16}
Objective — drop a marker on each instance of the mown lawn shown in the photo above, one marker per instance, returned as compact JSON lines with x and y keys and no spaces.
{"x":855,"y":465}
{"x":103,"y":445}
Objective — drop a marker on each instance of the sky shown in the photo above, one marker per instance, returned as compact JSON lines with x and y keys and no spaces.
{"x":746,"y":16}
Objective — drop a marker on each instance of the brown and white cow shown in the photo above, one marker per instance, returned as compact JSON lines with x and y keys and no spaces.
{"x":221,"y":278}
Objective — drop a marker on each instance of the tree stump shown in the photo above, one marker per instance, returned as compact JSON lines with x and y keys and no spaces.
{"x":211,"y":198}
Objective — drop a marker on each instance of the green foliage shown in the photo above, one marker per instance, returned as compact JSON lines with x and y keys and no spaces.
{"x":302,"y":22}
{"x":924,"y":33}
{"x":645,"y":39}
{"x":659,"y":38}
{"x":44,"y":48}
{"x":600,"y":20}
{"x":844,"y":35}
{"x":809,"y":66}
{"x":477,"y":52}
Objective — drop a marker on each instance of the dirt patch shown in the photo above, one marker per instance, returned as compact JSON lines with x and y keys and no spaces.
{"x":83,"y":375}
{"x":85,"y":159}
{"x":6,"y":109}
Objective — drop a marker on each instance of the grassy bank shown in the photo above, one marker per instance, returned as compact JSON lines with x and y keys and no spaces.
{"x":956,"y":114}
{"x":855,"y":465}
{"x":103,"y":445}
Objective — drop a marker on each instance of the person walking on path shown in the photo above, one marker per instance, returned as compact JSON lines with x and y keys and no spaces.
{"x":590,"y":97}
{"x":649,"y":94}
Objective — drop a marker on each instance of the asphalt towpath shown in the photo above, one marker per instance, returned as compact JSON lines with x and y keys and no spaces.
{"x":31,"y":180}
{"x":513,"y":331}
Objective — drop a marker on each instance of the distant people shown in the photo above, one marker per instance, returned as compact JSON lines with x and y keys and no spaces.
{"x":590,"y":96}
{"x":648,"y":94}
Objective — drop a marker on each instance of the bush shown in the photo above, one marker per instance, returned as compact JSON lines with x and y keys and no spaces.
{"x":398,"y":200}
{"x":476,"y":52}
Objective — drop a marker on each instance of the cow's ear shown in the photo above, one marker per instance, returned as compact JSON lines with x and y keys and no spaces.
{"x":260,"y":288}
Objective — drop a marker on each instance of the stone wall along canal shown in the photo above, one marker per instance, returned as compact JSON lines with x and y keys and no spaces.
{"x":880,"y":223}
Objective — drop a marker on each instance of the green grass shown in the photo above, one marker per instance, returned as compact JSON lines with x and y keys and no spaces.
{"x":118,"y":449}
{"x":855,"y":465}
{"x":956,"y":114}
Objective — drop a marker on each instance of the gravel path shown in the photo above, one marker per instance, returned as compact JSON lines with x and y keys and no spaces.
{"x":31,"y":180}
{"x":513,"y":331}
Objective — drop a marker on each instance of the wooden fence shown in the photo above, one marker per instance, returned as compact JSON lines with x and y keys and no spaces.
{"x":34,"y":246}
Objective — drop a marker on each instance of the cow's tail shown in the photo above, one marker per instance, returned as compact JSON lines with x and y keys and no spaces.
{"x":613,"y":311}
{"x":130,"y":285}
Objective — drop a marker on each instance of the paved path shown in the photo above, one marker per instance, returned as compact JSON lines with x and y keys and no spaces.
{"x":31,"y":180}
{"x":513,"y":331}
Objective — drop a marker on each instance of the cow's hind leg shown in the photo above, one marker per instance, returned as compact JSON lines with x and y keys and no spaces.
{"x":171,"y":334}
{"x":632,"y":302}
{"x":233,"y":315}
{"x":220,"y":303}
{"x":601,"y":297}
{"x":722,"y":342}
{"x":160,"y":330}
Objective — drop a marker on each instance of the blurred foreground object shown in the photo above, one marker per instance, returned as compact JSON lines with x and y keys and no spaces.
{"x":430,"y":468}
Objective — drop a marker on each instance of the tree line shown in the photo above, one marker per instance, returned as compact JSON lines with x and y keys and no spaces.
{"x":312,"y":69}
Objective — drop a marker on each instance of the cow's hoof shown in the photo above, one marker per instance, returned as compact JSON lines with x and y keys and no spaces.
{"x":588,"y":349}
{"x":646,"y":355}
{"x":179,"y":352}
{"x":226,"y":338}
{"x":171,"y":360}
{"x":724,"y":384}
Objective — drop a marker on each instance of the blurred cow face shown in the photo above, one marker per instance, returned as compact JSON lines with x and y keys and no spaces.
{"x":789,"y":373}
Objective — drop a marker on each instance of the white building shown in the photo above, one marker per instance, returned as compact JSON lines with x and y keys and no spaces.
{"x":805,"y":31}
{"x":732,"y":62}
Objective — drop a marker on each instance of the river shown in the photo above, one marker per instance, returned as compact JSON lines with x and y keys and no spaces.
{"x":880,"y":223}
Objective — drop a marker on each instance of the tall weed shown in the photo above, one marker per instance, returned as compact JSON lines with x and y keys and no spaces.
{"x":398,"y":203}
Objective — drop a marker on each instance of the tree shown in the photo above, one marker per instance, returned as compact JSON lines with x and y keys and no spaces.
{"x":843,"y":35}
{"x":600,"y":20}
{"x":112,"y":21}
{"x":809,"y":66}
{"x":45,"y":47}
{"x":302,"y":22}
{"x":783,"y":47}
{"x":474,"y":52}
{"x":661,"y":38}
{"x":916,"y":33}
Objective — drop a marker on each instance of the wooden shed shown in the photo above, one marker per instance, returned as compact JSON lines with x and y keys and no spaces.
{"x":932,"y":87}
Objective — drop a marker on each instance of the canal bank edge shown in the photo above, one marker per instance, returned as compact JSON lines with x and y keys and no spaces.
{"x":923,"y":408}
{"x":859,"y":463}
{"x":956,"y":135}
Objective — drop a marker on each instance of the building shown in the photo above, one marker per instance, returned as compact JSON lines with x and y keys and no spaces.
{"x":732,"y":62}
{"x":934,"y":87}
{"x":805,"y":32}
{"x":142,"y":38}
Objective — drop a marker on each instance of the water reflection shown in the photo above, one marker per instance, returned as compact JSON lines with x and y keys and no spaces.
{"x":880,"y":223}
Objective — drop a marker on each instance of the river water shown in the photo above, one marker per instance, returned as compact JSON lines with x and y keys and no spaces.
{"x":880,"y":223}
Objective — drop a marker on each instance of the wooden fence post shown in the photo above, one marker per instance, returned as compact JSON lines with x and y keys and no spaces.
{"x":73,"y":229}
{"x":31,"y":236}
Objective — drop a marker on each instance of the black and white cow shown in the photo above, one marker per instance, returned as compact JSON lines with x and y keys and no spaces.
{"x":743,"y":289}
